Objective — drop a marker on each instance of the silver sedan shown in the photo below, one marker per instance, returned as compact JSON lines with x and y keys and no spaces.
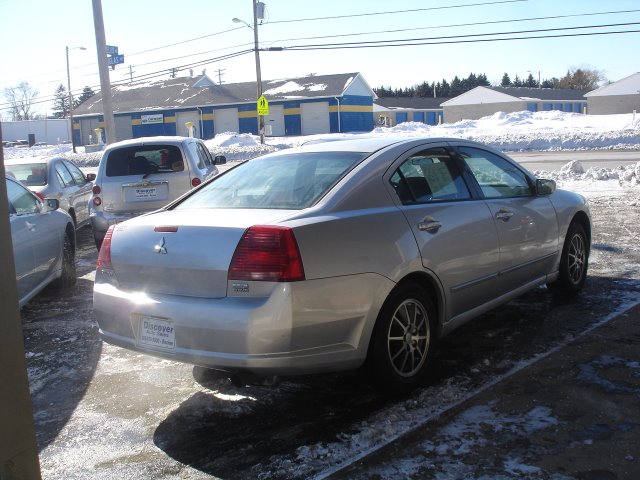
{"x":55,"y":177}
{"x":43,"y":241}
{"x":337,"y":255}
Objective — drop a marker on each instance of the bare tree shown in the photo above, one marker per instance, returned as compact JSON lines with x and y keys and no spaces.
{"x":581,"y":79}
{"x":21,"y":98}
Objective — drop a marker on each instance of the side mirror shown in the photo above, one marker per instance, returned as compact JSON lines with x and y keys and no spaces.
{"x":90,"y":177}
{"x":219,"y":160}
{"x":50,"y":204}
{"x":545,"y":186}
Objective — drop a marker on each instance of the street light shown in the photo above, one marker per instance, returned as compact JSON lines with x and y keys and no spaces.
{"x":257,"y":53}
{"x":73,"y":144}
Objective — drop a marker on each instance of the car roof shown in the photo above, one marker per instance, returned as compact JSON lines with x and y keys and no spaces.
{"x":367,"y":144}
{"x":25,"y":160}
{"x":173,"y":140}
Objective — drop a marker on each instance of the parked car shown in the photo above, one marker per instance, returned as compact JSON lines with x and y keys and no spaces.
{"x":144,"y":174}
{"x":338,"y":255}
{"x":44,"y":241}
{"x":58,"y":178}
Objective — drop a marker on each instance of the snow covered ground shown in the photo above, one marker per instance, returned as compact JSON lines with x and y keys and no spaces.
{"x":164,"y":403}
{"x":511,"y":132}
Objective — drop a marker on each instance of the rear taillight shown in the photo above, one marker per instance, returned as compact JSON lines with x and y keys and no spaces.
{"x":104,"y":257}
{"x":267,"y":253}
{"x":195,"y":181}
{"x":96,"y":200}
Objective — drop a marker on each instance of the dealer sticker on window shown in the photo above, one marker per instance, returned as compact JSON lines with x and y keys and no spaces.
{"x":155,"y":332}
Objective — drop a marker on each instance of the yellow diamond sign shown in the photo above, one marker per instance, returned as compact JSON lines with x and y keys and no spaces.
{"x":263,"y":106}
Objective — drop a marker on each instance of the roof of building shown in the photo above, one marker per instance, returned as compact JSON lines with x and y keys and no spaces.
{"x":480,"y":95}
{"x":184,"y":92}
{"x":627,"y":86}
{"x":411,"y":103}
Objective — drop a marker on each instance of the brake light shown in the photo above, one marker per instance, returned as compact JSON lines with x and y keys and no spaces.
{"x":96,"y":189}
{"x":195,"y":181}
{"x":267,"y":253}
{"x":104,"y":257}
{"x":97,"y":201}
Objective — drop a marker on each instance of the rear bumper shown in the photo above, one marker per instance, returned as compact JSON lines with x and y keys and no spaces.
{"x":303,"y":327}
{"x":101,"y":221}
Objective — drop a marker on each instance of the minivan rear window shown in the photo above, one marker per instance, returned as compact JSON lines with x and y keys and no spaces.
{"x":144,"y":159}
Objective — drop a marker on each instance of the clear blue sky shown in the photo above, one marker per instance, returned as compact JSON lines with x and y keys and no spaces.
{"x":34,"y":34}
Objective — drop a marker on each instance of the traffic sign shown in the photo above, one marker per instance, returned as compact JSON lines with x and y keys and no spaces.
{"x":114,"y":60}
{"x":111,"y":50}
{"x":263,"y":106}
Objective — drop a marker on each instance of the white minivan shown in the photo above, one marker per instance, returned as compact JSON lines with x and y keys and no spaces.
{"x":144,"y":174}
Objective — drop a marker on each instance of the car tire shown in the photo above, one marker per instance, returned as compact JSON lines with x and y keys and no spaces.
{"x":403,"y":340}
{"x":98,"y":243}
{"x":573,"y":262}
{"x":68,"y":277}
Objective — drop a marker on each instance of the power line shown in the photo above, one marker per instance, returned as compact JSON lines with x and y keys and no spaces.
{"x":406,"y":41}
{"x":490,"y":22}
{"x":397,"y":11}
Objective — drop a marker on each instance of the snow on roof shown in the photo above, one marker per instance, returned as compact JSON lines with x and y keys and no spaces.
{"x":627,"y":86}
{"x":291,"y":86}
{"x":481,"y":95}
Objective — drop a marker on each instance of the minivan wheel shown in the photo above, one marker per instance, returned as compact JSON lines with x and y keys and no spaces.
{"x":403,"y":340}
{"x":573,"y":262}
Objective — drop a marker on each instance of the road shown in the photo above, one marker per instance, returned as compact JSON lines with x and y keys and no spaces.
{"x":535,"y":161}
{"x":102,"y":412}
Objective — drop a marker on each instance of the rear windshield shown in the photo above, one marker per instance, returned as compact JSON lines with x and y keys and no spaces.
{"x":30,"y":174}
{"x":144,"y":159}
{"x":291,"y":181}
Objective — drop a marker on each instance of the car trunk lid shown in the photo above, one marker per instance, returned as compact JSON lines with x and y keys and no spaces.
{"x":185,"y":255}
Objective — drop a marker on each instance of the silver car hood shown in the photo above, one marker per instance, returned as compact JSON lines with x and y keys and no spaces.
{"x":149,"y":256}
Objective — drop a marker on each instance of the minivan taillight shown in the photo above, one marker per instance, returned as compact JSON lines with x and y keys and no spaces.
{"x":104,"y":257}
{"x":267,"y":253}
{"x":195,"y":181}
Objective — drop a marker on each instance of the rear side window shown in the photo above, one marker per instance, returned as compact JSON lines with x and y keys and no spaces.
{"x":143,"y":159}
{"x":292,"y":181}
{"x":427,"y":176}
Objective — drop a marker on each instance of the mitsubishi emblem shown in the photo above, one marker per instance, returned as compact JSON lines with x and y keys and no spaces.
{"x":160,"y":247}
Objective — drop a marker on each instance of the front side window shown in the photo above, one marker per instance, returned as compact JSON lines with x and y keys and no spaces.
{"x":77,"y":175}
{"x":497,"y":177}
{"x":430,"y":175}
{"x":289,"y":181}
{"x":144,"y":160}
{"x":66,"y":180}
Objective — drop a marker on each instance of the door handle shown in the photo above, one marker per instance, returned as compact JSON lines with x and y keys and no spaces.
{"x":504,"y":215}
{"x":431,"y":226}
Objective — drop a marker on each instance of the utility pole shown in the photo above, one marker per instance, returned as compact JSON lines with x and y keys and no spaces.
{"x":258,"y":72}
{"x":220,"y":74}
{"x":18,"y":451}
{"x":130,"y":74}
{"x":103,"y":67}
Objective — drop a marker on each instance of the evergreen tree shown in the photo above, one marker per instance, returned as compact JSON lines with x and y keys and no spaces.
{"x":87,"y":93}
{"x":517,"y":82}
{"x":61,"y":102}
{"x":530,"y":82}
{"x":506,"y":80}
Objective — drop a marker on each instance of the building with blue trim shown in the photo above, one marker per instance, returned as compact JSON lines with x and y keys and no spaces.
{"x":484,"y":101}
{"x":298,"y":106}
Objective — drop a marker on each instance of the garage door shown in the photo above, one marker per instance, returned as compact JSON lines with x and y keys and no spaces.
{"x":182,"y":118}
{"x":274,"y":122}
{"x":123,"y":128}
{"x":226,"y":120}
{"x":87,"y":131}
{"x":315,"y":118}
